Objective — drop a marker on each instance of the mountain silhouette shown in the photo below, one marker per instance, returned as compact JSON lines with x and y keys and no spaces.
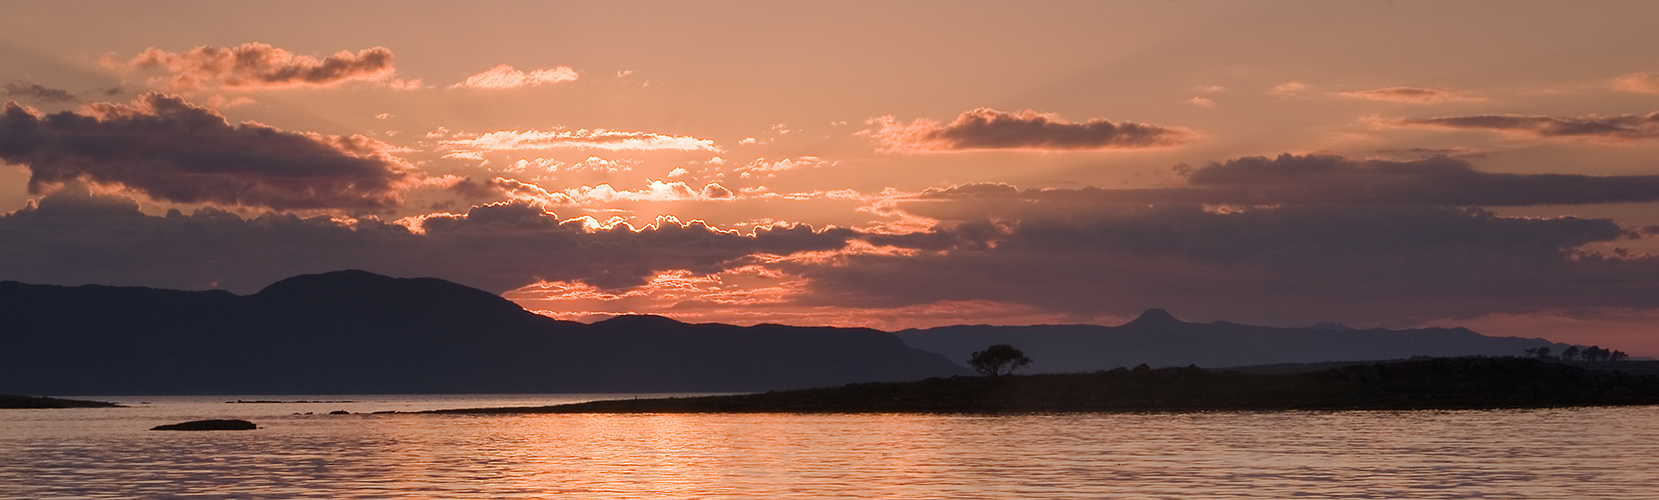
{"x":1158,"y":339}
{"x":357,"y":332}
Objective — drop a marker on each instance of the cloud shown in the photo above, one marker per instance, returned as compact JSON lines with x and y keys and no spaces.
{"x":762,"y":167}
{"x":1640,"y":83}
{"x":170,"y":150}
{"x":1295,"y":264}
{"x":75,"y":238}
{"x":1334,"y":180}
{"x":1442,"y":181}
{"x":1202,"y":102}
{"x":507,"y":77}
{"x":1289,"y":88}
{"x":605,"y":194}
{"x":601,"y":139}
{"x":1612,"y":128}
{"x":1290,"y":264}
{"x":257,"y":66}
{"x":38,"y":93}
{"x":1410,"y":95}
{"x":989,"y":129}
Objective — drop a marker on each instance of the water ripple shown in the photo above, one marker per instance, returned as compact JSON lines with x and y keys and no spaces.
{"x":1557,"y":453}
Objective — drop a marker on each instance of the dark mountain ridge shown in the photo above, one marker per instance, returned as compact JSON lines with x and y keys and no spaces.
{"x":357,"y":332}
{"x":1158,"y":339}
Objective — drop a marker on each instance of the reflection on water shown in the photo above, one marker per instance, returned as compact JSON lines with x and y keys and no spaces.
{"x":107,"y":453}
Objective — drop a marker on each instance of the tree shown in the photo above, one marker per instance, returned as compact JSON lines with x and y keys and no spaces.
{"x":1570,"y":354}
{"x":998,"y":360}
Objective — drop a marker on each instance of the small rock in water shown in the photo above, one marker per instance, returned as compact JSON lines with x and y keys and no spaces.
{"x":339,"y":412}
{"x":208,"y":425}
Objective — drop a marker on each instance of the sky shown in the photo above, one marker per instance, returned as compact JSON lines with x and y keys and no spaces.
{"x":882,"y":164}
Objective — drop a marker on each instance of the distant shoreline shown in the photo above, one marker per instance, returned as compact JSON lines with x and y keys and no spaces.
{"x":1432,"y":384}
{"x":10,"y":401}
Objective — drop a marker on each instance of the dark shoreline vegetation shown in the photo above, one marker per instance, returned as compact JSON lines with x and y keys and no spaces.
{"x":1435,"y":383}
{"x":9,"y":401}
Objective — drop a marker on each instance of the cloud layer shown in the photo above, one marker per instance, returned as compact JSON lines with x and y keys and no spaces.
{"x":1375,"y":264}
{"x":497,"y":247}
{"x":601,"y":139}
{"x":1043,"y":254}
{"x":39,"y":93}
{"x":1409,"y":95}
{"x":170,"y":150}
{"x":1615,"y":128}
{"x":257,"y":66}
{"x":1337,"y":180}
{"x":989,"y":129}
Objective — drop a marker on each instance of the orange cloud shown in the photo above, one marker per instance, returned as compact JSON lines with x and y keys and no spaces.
{"x":257,"y":66}
{"x":1640,"y":83}
{"x":989,"y":129}
{"x":1289,"y":88}
{"x":609,"y":140}
{"x":508,"y":77}
{"x":761,"y":167}
{"x":1410,"y":95}
{"x":755,"y":294}
{"x":654,"y":191}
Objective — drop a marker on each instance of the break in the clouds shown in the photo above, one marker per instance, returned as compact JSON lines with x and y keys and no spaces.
{"x":654,"y":191}
{"x":257,"y":66}
{"x":497,"y":247}
{"x":601,"y":139}
{"x":1614,"y":128}
{"x":1337,"y":180}
{"x":36,"y":92}
{"x":170,"y":150}
{"x":508,"y":77}
{"x":1409,"y":95}
{"x":989,"y":129}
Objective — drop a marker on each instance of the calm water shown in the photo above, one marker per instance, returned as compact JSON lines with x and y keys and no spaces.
{"x":108,"y":453}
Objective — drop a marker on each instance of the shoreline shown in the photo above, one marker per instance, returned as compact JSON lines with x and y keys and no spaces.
{"x":1475,"y":383}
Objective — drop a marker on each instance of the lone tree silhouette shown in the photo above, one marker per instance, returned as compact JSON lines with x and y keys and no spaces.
{"x":998,"y":360}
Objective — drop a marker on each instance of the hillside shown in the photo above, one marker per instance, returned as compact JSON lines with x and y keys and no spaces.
{"x":1438,"y":383}
{"x":1158,"y":339}
{"x":355,"y":332}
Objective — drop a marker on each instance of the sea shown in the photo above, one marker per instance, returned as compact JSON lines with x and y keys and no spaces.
{"x":301,"y":450}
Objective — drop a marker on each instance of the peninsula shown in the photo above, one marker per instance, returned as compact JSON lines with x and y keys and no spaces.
{"x":10,"y":401}
{"x":1434,"y":383}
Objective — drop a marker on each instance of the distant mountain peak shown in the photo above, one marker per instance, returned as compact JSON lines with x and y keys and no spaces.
{"x":1154,"y":317}
{"x":309,"y":282}
{"x":640,"y":321}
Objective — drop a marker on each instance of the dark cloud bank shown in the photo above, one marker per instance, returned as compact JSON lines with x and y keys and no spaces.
{"x":73,"y":237}
{"x":253,"y":66}
{"x":37,"y":92}
{"x":990,"y":129}
{"x":1621,"y":127}
{"x":1299,"y":239}
{"x":1336,"y":180}
{"x":171,"y":150}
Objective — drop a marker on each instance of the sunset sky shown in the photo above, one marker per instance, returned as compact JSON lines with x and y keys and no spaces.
{"x":1394,"y":164}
